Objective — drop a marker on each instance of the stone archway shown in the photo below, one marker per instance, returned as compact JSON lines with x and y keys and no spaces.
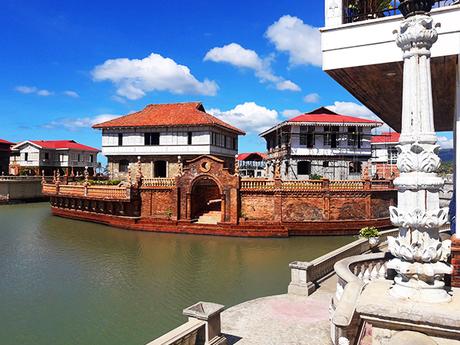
{"x":206,"y":201}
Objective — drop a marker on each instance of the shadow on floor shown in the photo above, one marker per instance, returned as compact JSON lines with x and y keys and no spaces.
{"x":231,"y":339}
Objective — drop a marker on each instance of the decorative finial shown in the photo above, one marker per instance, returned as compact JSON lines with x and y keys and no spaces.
{"x":58,"y":176}
{"x":86,"y":174}
{"x":72,"y":174}
{"x":277,"y":169}
{"x":54,"y":176}
{"x":410,"y":8}
{"x":237,"y":165}
{"x":129,"y":175}
{"x":43,"y":177}
{"x":180,"y":169}
{"x":139,"y":176}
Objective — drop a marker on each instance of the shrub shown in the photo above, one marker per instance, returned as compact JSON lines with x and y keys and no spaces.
{"x":315,"y":177}
{"x":368,"y":232}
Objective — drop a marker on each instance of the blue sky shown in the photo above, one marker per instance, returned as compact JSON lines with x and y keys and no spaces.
{"x":66,"y":64}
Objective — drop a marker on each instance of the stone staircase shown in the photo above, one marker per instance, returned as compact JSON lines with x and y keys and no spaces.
{"x":211,"y":217}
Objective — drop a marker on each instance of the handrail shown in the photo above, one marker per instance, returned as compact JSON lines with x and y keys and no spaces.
{"x":305,"y":276}
{"x":257,"y":184}
{"x":184,"y":334}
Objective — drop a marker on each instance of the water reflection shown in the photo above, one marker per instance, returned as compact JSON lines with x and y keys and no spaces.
{"x":67,"y":281}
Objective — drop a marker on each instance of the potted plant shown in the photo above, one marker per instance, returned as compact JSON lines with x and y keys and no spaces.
{"x":371,"y":234}
{"x":412,"y":7}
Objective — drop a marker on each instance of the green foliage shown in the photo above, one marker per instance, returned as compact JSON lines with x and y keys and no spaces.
{"x":446,"y":168}
{"x":368,"y":232}
{"x":169,"y":213}
{"x":315,"y":177}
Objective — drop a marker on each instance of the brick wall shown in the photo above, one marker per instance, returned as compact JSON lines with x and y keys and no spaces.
{"x":158,"y":203}
{"x":456,"y":261}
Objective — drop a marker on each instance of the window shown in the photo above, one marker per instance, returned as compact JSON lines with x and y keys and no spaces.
{"x":26,"y":156}
{"x":325,"y":164}
{"x":120,"y":139}
{"x":160,"y":169}
{"x":189,"y":138}
{"x":151,"y":139}
{"x":91,"y":158}
{"x":392,"y":153}
{"x":355,"y":136}
{"x":123,"y":166}
{"x":307,"y":136}
{"x":303,"y":168}
{"x":355,"y":167}
{"x":78,"y":157}
{"x":47,"y":156}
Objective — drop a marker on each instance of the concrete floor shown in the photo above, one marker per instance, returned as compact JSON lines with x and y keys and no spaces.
{"x":281,"y":320}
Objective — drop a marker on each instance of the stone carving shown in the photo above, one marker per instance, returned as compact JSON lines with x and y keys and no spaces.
{"x":277,"y":169}
{"x":180,"y":169}
{"x":419,"y":255}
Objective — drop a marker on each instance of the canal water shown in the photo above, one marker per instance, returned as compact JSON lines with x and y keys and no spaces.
{"x":70,"y":282}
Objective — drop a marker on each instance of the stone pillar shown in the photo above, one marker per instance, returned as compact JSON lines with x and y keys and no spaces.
{"x":210,"y":313}
{"x":334,"y":12}
{"x":419,"y":255}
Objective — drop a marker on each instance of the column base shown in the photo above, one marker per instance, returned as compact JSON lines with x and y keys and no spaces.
{"x":455,"y":252}
{"x":418,"y":291}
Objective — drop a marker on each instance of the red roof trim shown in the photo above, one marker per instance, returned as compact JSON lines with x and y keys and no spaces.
{"x":2,"y":141}
{"x":246,"y":155}
{"x":60,"y":145}
{"x":385,"y":138}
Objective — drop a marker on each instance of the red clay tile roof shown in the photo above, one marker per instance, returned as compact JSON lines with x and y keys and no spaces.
{"x":324,"y":115}
{"x":63,"y":144}
{"x":245,"y":156}
{"x":388,"y":137}
{"x":165,"y":115}
{"x":2,"y":141}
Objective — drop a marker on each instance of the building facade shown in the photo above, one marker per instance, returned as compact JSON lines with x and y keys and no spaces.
{"x":32,"y":157}
{"x":163,"y":136}
{"x":252,"y":164}
{"x":382,"y":164}
{"x":318,"y":144}
{"x":5,"y":153}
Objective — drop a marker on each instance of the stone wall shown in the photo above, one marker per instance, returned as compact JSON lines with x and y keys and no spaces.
{"x":20,"y":190}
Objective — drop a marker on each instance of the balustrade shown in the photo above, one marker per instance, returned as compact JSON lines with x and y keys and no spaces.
{"x":257,"y":184}
{"x":96,"y":192}
{"x":159,"y":182}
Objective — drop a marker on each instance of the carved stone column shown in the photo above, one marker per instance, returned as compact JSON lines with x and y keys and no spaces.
{"x":419,"y":255}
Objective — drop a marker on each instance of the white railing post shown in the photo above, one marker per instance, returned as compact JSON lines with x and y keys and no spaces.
{"x":333,"y":13}
{"x":210,"y":313}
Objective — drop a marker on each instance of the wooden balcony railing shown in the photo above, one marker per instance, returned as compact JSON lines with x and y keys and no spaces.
{"x":159,"y":182}
{"x":93,"y":192}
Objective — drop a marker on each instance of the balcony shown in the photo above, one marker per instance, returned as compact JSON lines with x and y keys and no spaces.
{"x":358,"y":10}
{"x":360,"y":53}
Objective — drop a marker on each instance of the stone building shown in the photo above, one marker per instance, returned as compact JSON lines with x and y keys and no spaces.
{"x":322,"y":143}
{"x":252,"y":164}
{"x":163,"y":134}
{"x":382,"y":164}
{"x":31,"y":157}
{"x":5,"y":152}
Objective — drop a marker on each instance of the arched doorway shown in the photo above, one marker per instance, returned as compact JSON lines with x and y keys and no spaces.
{"x":206,"y":202}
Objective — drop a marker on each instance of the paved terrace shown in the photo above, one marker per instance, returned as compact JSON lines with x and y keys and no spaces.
{"x":265,"y":321}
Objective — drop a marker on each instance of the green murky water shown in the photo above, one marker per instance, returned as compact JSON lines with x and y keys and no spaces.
{"x":71,"y":282}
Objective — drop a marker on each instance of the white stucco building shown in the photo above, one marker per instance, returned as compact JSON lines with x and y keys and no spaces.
{"x":161,"y":133}
{"x":320,"y":142}
{"x":35,"y":156}
{"x":382,"y":164}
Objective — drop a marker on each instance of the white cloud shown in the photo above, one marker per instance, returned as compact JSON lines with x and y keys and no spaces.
{"x":445,"y":142}
{"x":71,"y":93}
{"x":358,"y":110}
{"x":74,"y":124}
{"x":34,"y":90}
{"x":287,"y":85}
{"x":301,"y":41}
{"x":135,"y":77}
{"x":248,"y":116}
{"x":290,"y":113}
{"x":235,"y":55}
{"x":311,"y":98}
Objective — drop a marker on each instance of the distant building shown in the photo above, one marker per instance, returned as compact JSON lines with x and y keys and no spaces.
{"x":160,"y":133}
{"x":322,"y":143}
{"x":5,"y":153}
{"x":252,"y":164}
{"x":34,"y":156}
{"x":382,"y":164}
